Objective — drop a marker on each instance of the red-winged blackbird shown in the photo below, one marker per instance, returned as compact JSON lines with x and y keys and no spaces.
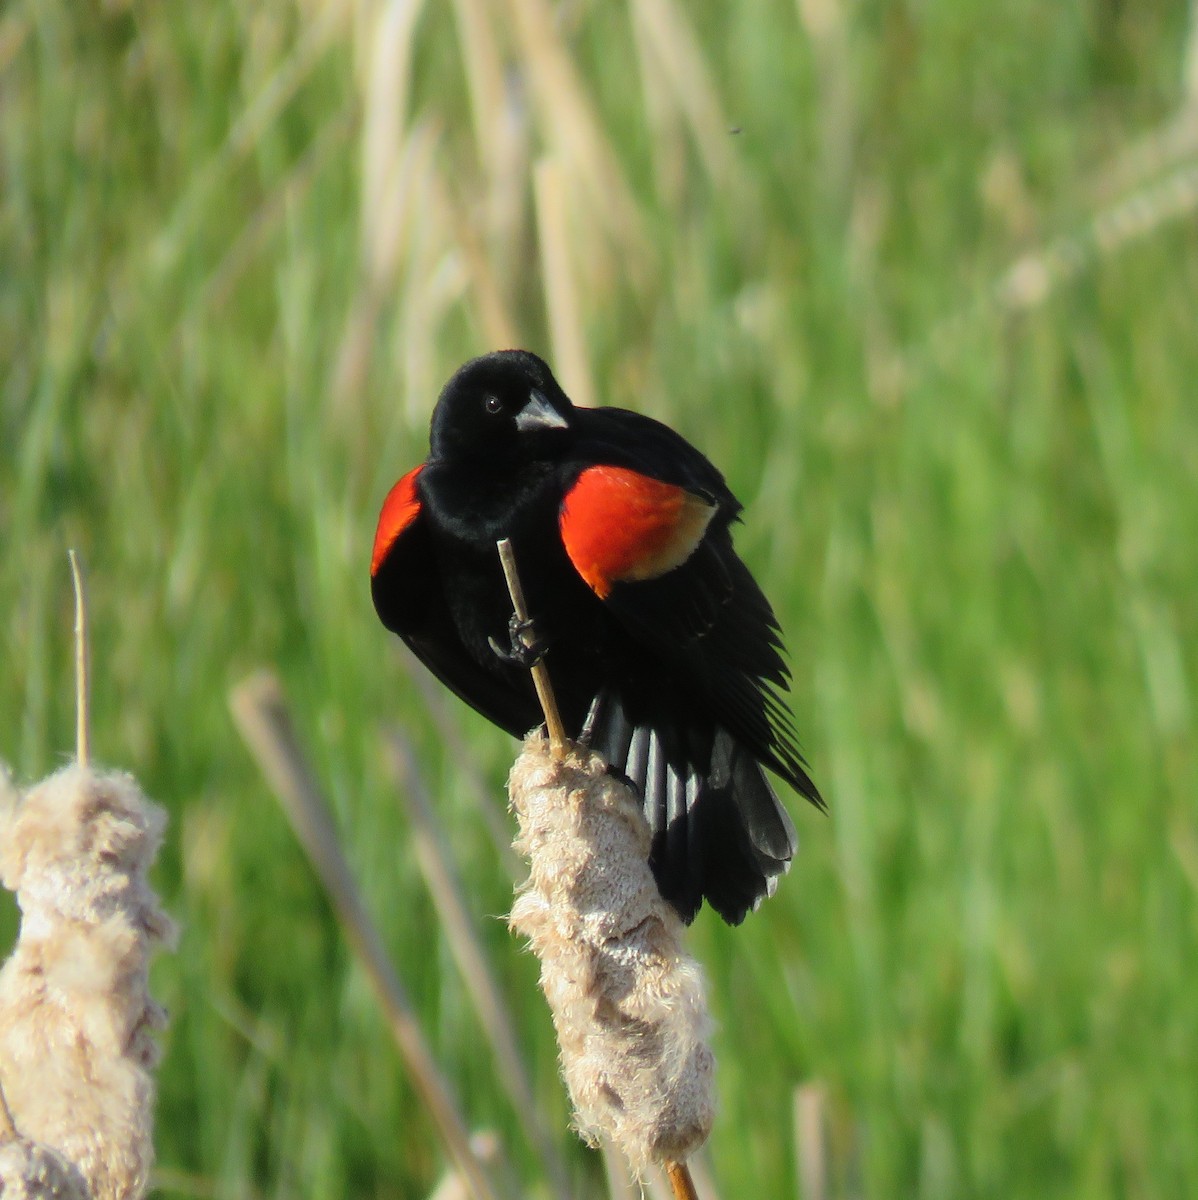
{"x":661,"y":647}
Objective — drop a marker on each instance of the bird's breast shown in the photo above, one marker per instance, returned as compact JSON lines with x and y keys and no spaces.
{"x":470,"y":512}
{"x":478,"y":504}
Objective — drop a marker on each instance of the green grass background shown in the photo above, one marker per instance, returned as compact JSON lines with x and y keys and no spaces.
{"x":973,"y":505}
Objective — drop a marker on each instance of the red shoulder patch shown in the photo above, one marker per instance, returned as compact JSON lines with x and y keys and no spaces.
{"x":400,"y":509}
{"x":621,"y":526}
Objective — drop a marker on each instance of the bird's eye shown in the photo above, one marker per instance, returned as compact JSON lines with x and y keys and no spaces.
{"x":493,"y":405}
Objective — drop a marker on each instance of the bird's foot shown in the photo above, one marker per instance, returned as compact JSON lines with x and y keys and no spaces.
{"x":525,"y":648}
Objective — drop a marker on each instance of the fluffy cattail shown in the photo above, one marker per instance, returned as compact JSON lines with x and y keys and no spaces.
{"x":76,"y":1016}
{"x":32,"y":1172}
{"x":627,"y":1001}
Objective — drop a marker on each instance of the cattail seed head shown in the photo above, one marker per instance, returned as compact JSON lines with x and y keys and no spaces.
{"x":32,"y":1172}
{"x":76,"y":1016}
{"x":627,"y":1001}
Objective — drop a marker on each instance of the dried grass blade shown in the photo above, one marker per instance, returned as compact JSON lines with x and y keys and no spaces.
{"x":82,"y":680}
{"x":679,"y":57}
{"x":561,"y":294}
{"x":432,"y":695}
{"x":575,"y":130}
{"x":447,"y":893}
{"x":810,"y":1141}
{"x":260,"y":711}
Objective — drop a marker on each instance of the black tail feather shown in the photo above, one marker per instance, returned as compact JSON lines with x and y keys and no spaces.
{"x":719,"y":831}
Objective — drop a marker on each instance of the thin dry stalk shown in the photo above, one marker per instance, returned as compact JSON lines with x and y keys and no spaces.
{"x":561,"y":294}
{"x":407,"y":177}
{"x":484,"y":77}
{"x":434,"y":283}
{"x":680,"y":1180}
{"x":384,"y":120}
{"x":576,"y":133}
{"x":663,"y":120}
{"x":76,"y":1014}
{"x":508,"y":216}
{"x":826,"y":23}
{"x":810,"y":1141}
{"x":447,"y":893}
{"x":1162,"y":149}
{"x":489,"y":1150}
{"x":498,"y":324}
{"x":678,"y":58}
{"x":82,"y":682}
{"x":400,"y":232}
{"x":260,"y":710}
{"x":558,"y":742}
{"x":432,"y":696}
{"x":1030,"y":281}
{"x":1036,"y":276}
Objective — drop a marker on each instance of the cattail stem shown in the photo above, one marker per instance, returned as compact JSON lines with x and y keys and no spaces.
{"x":679,"y":1175}
{"x":558,"y":742}
{"x":82,"y":681}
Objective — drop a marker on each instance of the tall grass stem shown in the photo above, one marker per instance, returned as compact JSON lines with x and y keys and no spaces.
{"x":260,"y":710}
{"x":447,"y":894}
{"x":82,"y":680}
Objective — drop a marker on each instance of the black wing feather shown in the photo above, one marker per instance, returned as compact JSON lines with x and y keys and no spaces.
{"x":410,"y":601}
{"x":707,"y":618}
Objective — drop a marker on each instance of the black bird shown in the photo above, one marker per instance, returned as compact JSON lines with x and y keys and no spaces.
{"x":660,"y":645}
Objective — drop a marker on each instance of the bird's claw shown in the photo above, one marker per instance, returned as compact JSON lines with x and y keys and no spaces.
{"x":520,"y":653}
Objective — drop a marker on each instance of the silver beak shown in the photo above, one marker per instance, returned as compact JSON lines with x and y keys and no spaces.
{"x":538,"y":413}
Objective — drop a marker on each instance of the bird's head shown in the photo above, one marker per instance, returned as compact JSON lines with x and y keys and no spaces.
{"x":503,"y":403}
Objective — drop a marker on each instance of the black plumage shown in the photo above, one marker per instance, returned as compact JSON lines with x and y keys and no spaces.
{"x":659,"y":641}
